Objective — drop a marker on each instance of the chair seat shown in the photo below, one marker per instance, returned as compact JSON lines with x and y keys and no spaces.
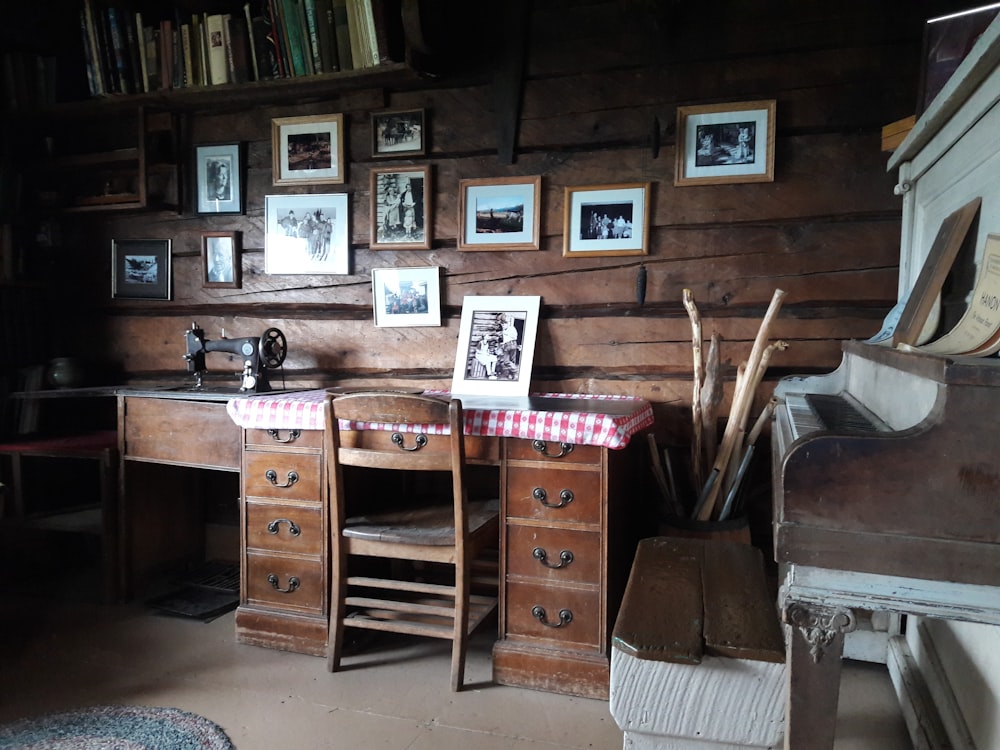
{"x":434,"y":525}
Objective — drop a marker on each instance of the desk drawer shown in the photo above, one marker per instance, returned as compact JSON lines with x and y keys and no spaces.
{"x":554,"y":496}
{"x":288,"y":476}
{"x":553,"y":451}
{"x":285,"y":438}
{"x":556,"y":555}
{"x":285,"y":583}
{"x":477,"y":448}
{"x":530,"y":606}
{"x":293,"y":528}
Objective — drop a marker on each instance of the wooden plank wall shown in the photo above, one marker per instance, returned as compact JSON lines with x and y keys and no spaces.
{"x":600,"y":78}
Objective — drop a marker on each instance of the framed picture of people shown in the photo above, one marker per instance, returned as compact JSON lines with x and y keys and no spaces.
{"x":721,"y":144}
{"x":398,"y":132}
{"x":219,"y":178}
{"x":401,"y":208}
{"x":220,"y":259}
{"x":308,"y":150}
{"x":307,"y":234}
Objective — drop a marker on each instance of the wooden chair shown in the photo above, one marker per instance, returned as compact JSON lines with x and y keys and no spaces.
{"x":452,"y":532}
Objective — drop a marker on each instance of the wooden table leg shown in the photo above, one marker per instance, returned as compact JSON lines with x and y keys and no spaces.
{"x":813,"y":649}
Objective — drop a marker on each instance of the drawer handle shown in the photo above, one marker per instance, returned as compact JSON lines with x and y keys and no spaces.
{"x":293,"y":528}
{"x":272,"y":477}
{"x":542,"y":447}
{"x":293,"y":583}
{"x":293,"y":435}
{"x":420,"y":440}
{"x":565,"y":617}
{"x":565,"y":558}
{"x":565,"y":497}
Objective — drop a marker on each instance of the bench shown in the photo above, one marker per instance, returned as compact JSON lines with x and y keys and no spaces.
{"x":697,"y":655}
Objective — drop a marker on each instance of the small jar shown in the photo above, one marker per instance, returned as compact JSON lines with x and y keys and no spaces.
{"x":65,"y":372}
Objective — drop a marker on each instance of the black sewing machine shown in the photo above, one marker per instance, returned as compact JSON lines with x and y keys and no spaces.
{"x":259,"y":354}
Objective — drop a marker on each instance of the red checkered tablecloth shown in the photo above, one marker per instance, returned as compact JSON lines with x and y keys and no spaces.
{"x":606,"y":421}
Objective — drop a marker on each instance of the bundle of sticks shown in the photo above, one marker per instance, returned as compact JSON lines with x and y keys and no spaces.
{"x":718,"y":468}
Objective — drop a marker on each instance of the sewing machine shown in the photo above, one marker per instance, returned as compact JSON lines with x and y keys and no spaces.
{"x":259,"y":353}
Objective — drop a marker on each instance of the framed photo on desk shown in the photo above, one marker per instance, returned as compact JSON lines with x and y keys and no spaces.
{"x":496,"y":346}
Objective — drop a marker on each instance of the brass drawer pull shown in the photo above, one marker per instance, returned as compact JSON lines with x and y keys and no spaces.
{"x":420,"y":440}
{"x":272,"y":477}
{"x":293,"y":583}
{"x":293,"y":435}
{"x":565,"y":497}
{"x":293,"y":528}
{"x":565,"y":617}
{"x":540,"y":446}
{"x":565,"y":558}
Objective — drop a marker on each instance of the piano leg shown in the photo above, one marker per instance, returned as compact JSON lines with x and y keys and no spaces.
{"x":814,"y":644}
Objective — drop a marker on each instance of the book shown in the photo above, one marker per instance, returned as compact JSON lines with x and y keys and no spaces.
{"x":166,"y":54}
{"x":266,"y":65}
{"x":218,"y":66}
{"x":93,"y":76}
{"x":133,"y":47}
{"x":327,"y":37}
{"x":197,"y":52}
{"x":278,"y":40}
{"x":312,"y":29}
{"x":151,"y":40}
{"x":91,"y":36}
{"x":238,"y":49}
{"x":188,"y":77}
{"x":116,"y":52}
{"x":355,"y":30}
{"x":248,"y":20}
{"x":293,"y":31}
{"x":140,"y":32}
{"x":343,"y":35}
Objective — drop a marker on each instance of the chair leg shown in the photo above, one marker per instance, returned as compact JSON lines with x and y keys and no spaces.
{"x":338,"y":593}
{"x":461,"y":634}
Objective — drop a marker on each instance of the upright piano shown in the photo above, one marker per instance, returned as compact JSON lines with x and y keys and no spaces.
{"x":886,"y":490}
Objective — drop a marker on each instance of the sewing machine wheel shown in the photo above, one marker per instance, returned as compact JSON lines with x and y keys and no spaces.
{"x":273,"y":348}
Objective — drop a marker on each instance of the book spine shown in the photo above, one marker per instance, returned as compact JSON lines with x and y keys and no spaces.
{"x":93,"y":79}
{"x":140,"y":43}
{"x":166,"y":54}
{"x":312,"y":27}
{"x":133,"y":46}
{"x":151,"y":36}
{"x":116,"y":60}
{"x":186,"y":52}
{"x":261,"y":29}
{"x":327,"y":36}
{"x":238,"y":49}
{"x":217,"y":65}
{"x":92,"y":42}
{"x":290,"y":16}
{"x":342,"y":28}
{"x":248,"y":19}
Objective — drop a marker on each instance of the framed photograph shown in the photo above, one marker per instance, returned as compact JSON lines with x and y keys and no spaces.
{"x":725,"y":143}
{"x":140,"y":269}
{"x":220,"y":260}
{"x":496,"y":346}
{"x":306,"y":234}
{"x":500,"y":213}
{"x":607,"y":220}
{"x":219,"y":170}
{"x":308,"y":150}
{"x":398,"y":132}
{"x":407,"y":296}
{"x":401,"y":209}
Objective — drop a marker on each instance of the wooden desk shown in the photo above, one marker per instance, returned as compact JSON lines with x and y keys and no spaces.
{"x":572,"y":519}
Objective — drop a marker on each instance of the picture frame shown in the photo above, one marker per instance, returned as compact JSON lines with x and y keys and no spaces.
{"x":221,"y":265}
{"x":307,"y":234}
{"x":220,"y":185}
{"x":947,"y":41}
{"x":141,"y":269}
{"x":398,"y":132}
{"x":496,"y":346}
{"x":406,"y":297}
{"x":607,"y":220}
{"x":499,"y":213}
{"x":720,"y":144}
{"x":401,"y":208}
{"x":308,"y":150}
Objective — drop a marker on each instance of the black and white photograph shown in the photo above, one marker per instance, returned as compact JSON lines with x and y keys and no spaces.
{"x":140,"y":269}
{"x":308,"y":150}
{"x":407,"y":296}
{"x":499,"y":213}
{"x":306,"y":234}
{"x":219,"y":178}
{"x":398,"y":132}
{"x":725,"y":143}
{"x":607,"y":220}
{"x":400,"y":210}
{"x":220,"y":257}
{"x":496,"y":344}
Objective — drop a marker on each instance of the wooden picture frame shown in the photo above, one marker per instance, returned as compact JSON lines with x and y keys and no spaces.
{"x":401,"y":208}
{"x":307,"y":234}
{"x":499,"y":213}
{"x":220,"y":171}
{"x":221,"y":265}
{"x":308,"y":150}
{"x":141,"y":269}
{"x":607,"y":220}
{"x":721,"y":144}
{"x":406,"y":297}
{"x":496,"y":346}
{"x":398,"y":133}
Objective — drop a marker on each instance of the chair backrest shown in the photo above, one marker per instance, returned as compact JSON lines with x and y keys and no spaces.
{"x":406,"y":447}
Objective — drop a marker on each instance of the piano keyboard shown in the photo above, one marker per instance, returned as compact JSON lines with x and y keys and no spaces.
{"x":809,"y":412}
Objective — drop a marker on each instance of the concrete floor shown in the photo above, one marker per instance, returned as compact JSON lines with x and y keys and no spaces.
{"x":60,"y":649}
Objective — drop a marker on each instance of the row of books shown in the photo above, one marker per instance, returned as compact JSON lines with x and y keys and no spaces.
{"x":127,"y":53}
{"x":29,"y":80}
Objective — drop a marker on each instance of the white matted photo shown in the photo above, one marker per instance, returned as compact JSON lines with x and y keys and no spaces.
{"x":725,"y":143}
{"x":308,"y":150}
{"x":306,"y":234}
{"x":499,"y":213}
{"x":496,"y":346}
{"x":407,"y":296}
{"x":607,"y":220}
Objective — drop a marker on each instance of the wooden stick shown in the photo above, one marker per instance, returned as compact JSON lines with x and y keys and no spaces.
{"x":696,"y":438}
{"x":711,"y":397}
{"x":741,"y":403}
